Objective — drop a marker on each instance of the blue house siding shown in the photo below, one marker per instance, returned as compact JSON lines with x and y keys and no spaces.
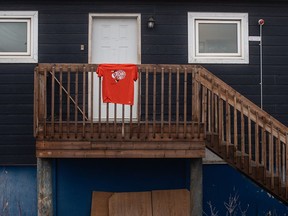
{"x":18,"y":191}
{"x":75,"y":179}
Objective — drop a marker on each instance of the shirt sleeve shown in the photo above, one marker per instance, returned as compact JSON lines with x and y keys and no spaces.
{"x":99,"y":70}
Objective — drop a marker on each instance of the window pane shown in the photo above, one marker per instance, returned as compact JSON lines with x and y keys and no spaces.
{"x":218,"y":38}
{"x":13,"y":37}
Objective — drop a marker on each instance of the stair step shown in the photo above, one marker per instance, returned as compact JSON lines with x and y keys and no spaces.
{"x":255,"y":171}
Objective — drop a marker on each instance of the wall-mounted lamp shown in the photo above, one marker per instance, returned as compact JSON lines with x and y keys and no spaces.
{"x":151,"y":23}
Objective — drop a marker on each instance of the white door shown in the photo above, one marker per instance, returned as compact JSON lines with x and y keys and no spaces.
{"x":113,"y":38}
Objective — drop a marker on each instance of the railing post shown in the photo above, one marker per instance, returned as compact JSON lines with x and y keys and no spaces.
{"x":39,"y":99}
{"x":195,"y":93}
{"x":44,"y":187}
{"x":196,"y":187}
{"x":36,"y":104}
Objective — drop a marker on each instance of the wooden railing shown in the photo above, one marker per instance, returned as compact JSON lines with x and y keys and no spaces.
{"x":68,"y":105}
{"x":243,"y":134}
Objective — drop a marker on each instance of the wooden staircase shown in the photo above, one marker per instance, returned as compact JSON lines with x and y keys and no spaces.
{"x":245,"y":136}
{"x":179,"y":109}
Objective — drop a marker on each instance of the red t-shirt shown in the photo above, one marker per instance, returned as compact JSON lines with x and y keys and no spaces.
{"x":118,"y":82}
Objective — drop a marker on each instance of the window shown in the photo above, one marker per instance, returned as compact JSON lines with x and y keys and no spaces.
{"x":218,"y":38}
{"x":18,"y":36}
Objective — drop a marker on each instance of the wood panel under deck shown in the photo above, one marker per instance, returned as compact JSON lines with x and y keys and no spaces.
{"x":121,"y":141}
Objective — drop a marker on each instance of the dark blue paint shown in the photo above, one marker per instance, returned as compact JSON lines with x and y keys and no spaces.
{"x":75,"y":179}
{"x":18,"y":189}
{"x":221,"y":182}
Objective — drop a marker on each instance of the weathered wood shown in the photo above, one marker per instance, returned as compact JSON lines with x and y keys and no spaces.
{"x":235,"y":129}
{"x":44,"y":187}
{"x":210,"y":82}
{"x":100,"y":203}
{"x":120,"y":153}
{"x":118,"y":145}
{"x":249,"y":142}
{"x":177,"y":100}
{"x":196,"y":187}
{"x":171,"y":202}
{"x":130,"y":204}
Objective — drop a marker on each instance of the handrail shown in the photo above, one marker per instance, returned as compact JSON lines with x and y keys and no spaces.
{"x":246,"y":134}
{"x":209,"y":80}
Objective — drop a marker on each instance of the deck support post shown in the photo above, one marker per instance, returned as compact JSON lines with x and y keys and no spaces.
{"x":44,"y":187}
{"x":196,"y":187}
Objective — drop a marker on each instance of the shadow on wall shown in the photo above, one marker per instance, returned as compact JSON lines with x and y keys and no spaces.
{"x":18,"y":191}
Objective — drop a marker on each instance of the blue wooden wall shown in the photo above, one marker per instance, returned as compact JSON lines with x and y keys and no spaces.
{"x":74,"y":181}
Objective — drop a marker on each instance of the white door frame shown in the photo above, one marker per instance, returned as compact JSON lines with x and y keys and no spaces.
{"x":110,"y":15}
{"x":114,"y":15}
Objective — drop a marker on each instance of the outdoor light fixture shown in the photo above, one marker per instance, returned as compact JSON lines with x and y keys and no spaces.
{"x":151,"y":23}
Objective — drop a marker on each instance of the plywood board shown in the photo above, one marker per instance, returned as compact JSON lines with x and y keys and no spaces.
{"x":171,"y":202}
{"x":100,"y":203}
{"x":130,"y":204}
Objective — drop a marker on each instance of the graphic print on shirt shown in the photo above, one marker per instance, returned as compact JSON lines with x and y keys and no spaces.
{"x":118,"y":75}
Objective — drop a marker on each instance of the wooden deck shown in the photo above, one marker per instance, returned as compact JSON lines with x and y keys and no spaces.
{"x":164,"y":123}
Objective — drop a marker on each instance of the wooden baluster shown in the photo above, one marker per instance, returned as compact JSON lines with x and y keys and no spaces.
{"x":235,"y":130}
{"x":107,"y":120}
{"x":271,"y":153}
{"x":264,"y":149}
{"x":100,"y":108}
{"x":193,"y":104}
{"x":257,"y":144}
{"x":162,"y":102}
{"x":212,"y":114}
{"x":68,"y":101}
{"x":242,"y":137}
{"x":154,"y":102}
{"x":228,"y":125}
{"x":278,"y":160}
{"x":131,"y":117}
{"x":53,"y":102}
{"x":220,"y":123}
{"x":60,"y":102}
{"x":139,"y":101}
{"x":76,"y":103}
{"x":45,"y":102}
{"x":92,"y":103}
{"x":115,"y":121}
{"x":204,"y":107}
{"x":249,"y":141}
{"x":84,"y":103}
{"x":209,"y":112}
{"x":197,"y":84}
{"x":146,"y":103}
{"x":185,"y":103}
{"x":282,"y":178}
{"x":177,"y":103}
{"x":123,"y":121}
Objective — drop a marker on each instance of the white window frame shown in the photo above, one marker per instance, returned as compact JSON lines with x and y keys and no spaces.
{"x":31,"y":18}
{"x":240,"y":19}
